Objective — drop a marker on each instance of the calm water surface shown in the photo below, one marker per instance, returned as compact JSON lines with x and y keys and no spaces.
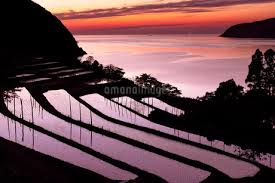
{"x":194,"y":63}
{"x":166,"y":168}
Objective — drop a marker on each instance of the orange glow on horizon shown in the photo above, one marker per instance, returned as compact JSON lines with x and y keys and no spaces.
{"x":219,"y":17}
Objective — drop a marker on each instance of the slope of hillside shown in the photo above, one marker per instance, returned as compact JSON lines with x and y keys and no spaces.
{"x":259,"y":29}
{"x":28,"y":30}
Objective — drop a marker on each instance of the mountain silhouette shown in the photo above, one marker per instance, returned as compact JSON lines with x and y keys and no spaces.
{"x":259,"y":29}
{"x":28,"y":30}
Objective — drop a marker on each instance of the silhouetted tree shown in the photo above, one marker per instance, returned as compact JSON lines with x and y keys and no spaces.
{"x":209,"y":96}
{"x":87,"y":61}
{"x":261,"y":72}
{"x":100,"y":67}
{"x":250,"y":154}
{"x":147,"y":81}
{"x":227,"y":91}
{"x":171,"y":90}
{"x":95,"y":64}
{"x":269,"y":71}
{"x":255,"y":74}
{"x":91,"y":63}
{"x":113,"y":72}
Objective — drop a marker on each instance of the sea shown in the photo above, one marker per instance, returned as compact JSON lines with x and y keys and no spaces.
{"x":194,"y":63}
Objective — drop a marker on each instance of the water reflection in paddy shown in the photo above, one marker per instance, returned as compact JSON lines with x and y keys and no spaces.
{"x":162,"y":105}
{"x":168,"y":169}
{"x":146,"y":109}
{"x":119,"y":112}
{"x":134,"y":105}
{"x":213,"y":159}
{"x":16,"y":132}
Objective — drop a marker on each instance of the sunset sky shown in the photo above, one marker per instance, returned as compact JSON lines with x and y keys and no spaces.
{"x":156,"y":16}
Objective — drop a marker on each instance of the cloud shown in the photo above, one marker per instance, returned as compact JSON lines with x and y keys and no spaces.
{"x":189,"y":6}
